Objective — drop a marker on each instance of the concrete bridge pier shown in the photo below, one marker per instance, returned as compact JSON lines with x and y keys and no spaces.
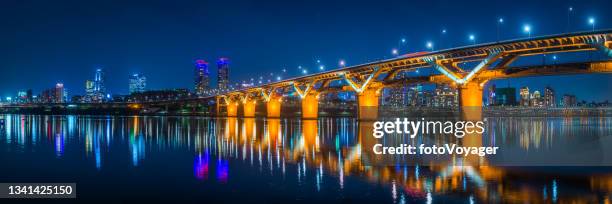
{"x":273,"y":106}
{"x":470,"y":100}
{"x":232,"y":109}
{"x":248,"y":108}
{"x":310,"y":106}
{"x":367,"y":101}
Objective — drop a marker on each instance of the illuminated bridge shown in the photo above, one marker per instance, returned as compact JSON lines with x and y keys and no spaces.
{"x":491,"y":61}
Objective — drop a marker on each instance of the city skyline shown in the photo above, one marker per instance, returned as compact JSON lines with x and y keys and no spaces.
{"x":173,"y":70}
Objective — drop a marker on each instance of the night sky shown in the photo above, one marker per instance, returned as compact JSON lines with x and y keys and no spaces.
{"x":45,"y":42}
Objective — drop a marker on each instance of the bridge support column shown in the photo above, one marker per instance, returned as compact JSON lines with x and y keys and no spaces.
{"x":470,"y":100}
{"x":273,"y":106}
{"x":367,"y":101}
{"x":232,"y":109}
{"x":310,"y":106}
{"x":248,"y":109}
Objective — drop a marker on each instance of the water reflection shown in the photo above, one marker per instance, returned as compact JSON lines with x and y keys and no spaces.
{"x":321,"y":154}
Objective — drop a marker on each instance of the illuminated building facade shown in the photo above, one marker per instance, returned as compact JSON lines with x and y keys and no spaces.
{"x":99,"y":86}
{"x":223,"y":74}
{"x":549,"y":97}
{"x":202,"y":80}
{"x":137,"y":83}
{"x":525,"y":96}
{"x":59,"y":96}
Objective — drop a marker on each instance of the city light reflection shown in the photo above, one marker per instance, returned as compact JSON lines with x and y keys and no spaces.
{"x":321,"y":153}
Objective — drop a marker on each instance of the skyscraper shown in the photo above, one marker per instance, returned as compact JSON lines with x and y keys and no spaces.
{"x":59,"y":93}
{"x":525,"y":96}
{"x":99,"y":88}
{"x":137,"y":83}
{"x":491,"y":95}
{"x":222,"y":74}
{"x":549,"y":97}
{"x":89,"y":88}
{"x":201,"y":77}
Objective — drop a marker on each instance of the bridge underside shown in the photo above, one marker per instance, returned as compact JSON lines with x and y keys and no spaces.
{"x":368,"y":94}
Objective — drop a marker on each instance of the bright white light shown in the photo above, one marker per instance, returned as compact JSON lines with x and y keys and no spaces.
{"x":321,"y":67}
{"x":501,"y":20}
{"x":472,"y":37}
{"x":591,"y":21}
{"x":342,"y":63}
{"x":304,"y":71}
{"x":443,"y":31}
{"x":318,"y":61}
{"x":403,"y":40}
{"x":571,"y":8}
{"x":554,"y":57}
{"x":278,"y":78}
{"x":527,"y":28}
{"x":284,"y":70}
{"x":429,"y":44}
{"x":394,"y":51}
{"x":300,"y":67}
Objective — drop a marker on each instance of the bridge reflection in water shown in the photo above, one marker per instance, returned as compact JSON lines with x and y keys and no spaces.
{"x":322,"y":153}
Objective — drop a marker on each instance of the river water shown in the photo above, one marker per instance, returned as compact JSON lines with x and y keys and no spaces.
{"x":285,"y":160}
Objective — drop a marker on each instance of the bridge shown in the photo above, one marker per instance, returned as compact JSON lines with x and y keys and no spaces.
{"x":367,"y":80}
{"x":491,"y":61}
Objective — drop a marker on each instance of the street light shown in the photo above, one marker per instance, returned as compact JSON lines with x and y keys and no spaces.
{"x":569,"y":12}
{"x":499,"y":22}
{"x":592,"y":22}
{"x":442,"y":38}
{"x":473,"y":39}
{"x":394,"y":51}
{"x":342,"y":63}
{"x":527,"y":29}
{"x":430,"y":45}
{"x":321,"y":67}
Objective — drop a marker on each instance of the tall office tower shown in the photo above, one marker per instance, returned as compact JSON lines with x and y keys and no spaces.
{"x":29,"y":95}
{"x":99,"y":88}
{"x":201,"y":77}
{"x":525,"y":96}
{"x":89,"y":88}
{"x":491,"y":95}
{"x":549,"y":97}
{"x":222,"y":74}
{"x":59,"y":93}
{"x":138,"y":83}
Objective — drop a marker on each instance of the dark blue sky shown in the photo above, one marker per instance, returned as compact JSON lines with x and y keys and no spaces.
{"x":44,"y":42}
